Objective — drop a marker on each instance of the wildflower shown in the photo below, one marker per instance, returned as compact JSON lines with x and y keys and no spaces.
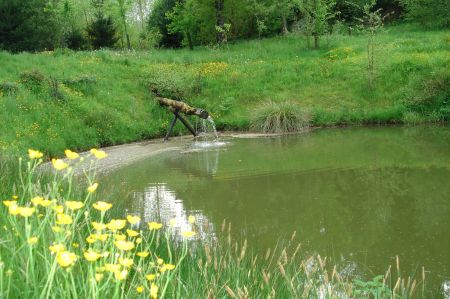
{"x":15,"y":197}
{"x":45,"y":203}
{"x":132,"y":233}
{"x":191,"y":219}
{"x":33,"y":154}
{"x":92,"y":256}
{"x":140,"y":289}
{"x":37,"y":200}
{"x":32,"y":240}
{"x":160,"y":261}
{"x":121,"y":275}
{"x":138,"y":240}
{"x":143,"y":253}
{"x":154,"y":291}
{"x":71,"y":155}
{"x":26,"y":211}
{"x":10,"y":203}
{"x":99,"y":154}
{"x":102,"y":237}
{"x":133,"y":219}
{"x":188,"y":234}
{"x":59,"y":164}
{"x":98,"y":276}
{"x":126,"y":262}
{"x":74,"y":205}
{"x":120,"y":237}
{"x":150,"y":277}
{"x":66,"y":258}
{"x":64,"y":219}
{"x":116,"y":224}
{"x":13,"y":210}
{"x":112,"y":267}
{"x":173,"y":222}
{"x":166,"y":267}
{"x":57,"y":229}
{"x":92,"y":188}
{"x":98,"y":226}
{"x":58,"y":209}
{"x":75,"y":245}
{"x":55,"y":248}
{"x":91,"y":239}
{"x":154,"y":225}
{"x":124,"y":245}
{"x":100,"y":269}
{"x":102,"y":206}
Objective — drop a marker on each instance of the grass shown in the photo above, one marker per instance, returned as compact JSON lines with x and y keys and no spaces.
{"x":50,"y":248}
{"x":64,"y":99}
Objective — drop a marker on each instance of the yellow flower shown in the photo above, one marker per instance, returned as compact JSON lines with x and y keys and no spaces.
{"x":132,"y":233}
{"x":32,"y":240}
{"x":112,"y":267}
{"x":14,"y":209}
{"x":9,"y":203}
{"x":100,"y":269}
{"x":64,"y":219}
{"x":191,"y":219}
{"x":37,"y":200}
{"x":98,"y":226}
{"x":66,"y":258}
{"x":58,"y":209}
{"x":150,"y":277}
{"x":160,"y":261}
{"x":154,"y":225}
{"x":45,"y":203}
{"x":188,"y":234}
{"x":91,"y":256}
{"x":59,"y":164}
{"x":91,"y":239}
{"x":124,"y":245}
{"x":98,"y":276}
{"x":133,"y":219}
{"x":99,"y":154}
{"x":26,"y":211}
{"x":154,"y":291}
{"x":167,"y":267}
{"x":33,"y":154}
{"x":55,"y":248}
{"x":71,"y":155}
{"x":173,"y":222}
{"x":126,"y":262}
{"x":116,"y":224}
{"x":143,"y":253}
{"x":74,"y":205}
{"x":102,"y":206}
{"x":138,"y":240}
{"x":75,"y":245}
{"x":57,"y":229}
{"x":140,"y":289}
{"x":102,"y":237}
{"x":120,"y":237}
{"x":92,"y":188}
{"x":121,"y":275}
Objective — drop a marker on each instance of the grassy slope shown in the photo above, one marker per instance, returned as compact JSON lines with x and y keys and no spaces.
{"x":116,"y":107}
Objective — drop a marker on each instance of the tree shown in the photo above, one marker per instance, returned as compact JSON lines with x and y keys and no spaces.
{"x":159,"y":22}
{"x":28,"y":25}
{"x":429,"y":13}
{"x":102,"y":32}
{"x":183,"y":20}
{"x":121,"y":8}
{"x":316,"y":14}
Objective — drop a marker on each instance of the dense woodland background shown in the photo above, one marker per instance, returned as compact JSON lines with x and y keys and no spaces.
{"x":37,"y":25}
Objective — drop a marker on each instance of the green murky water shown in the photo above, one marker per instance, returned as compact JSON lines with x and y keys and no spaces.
{"x":360,"y":196}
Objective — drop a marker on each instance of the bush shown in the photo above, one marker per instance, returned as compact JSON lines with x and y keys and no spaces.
{"x":9,"y":88}
{"x":102,"y":32}
{"x":75,"y":40}
{"x":32,"y":79}
{"x":280,"y":117}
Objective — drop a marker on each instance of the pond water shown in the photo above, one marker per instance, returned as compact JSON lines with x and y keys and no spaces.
{"x":360,"y":196}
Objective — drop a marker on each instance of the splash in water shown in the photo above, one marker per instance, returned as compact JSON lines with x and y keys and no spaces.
{"x":209,"y":136}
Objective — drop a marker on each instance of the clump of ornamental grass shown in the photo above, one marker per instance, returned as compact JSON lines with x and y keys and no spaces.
{"x":279,"y":117}
{"x":57,"y":245}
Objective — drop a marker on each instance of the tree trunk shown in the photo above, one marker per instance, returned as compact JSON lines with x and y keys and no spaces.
{"x":284,"y":23}
{"x":189,"y":38}
{"x":316,"y":41}
{"x":220,"y":22}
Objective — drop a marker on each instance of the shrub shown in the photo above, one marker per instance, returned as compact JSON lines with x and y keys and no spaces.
{"x":75,"y":40}
{"x":32,"y":79}
{"x":280,"y":117}
{"x":9,"y":88}
{"x":84,"y":83}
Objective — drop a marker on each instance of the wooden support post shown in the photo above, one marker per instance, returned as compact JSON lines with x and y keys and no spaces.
{"x":184,"y":121}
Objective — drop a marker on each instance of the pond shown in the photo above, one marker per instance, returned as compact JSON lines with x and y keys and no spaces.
{"x":360,"y":196}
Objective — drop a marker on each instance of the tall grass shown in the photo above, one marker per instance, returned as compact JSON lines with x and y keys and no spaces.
{"x":58,"y":242}
{"x":64,"y":99}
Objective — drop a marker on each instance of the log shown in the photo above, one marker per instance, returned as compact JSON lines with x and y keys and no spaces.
{"x":178,"y":106}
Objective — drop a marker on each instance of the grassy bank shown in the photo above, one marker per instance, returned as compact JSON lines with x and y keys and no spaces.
{"x":59,"y":241}
{"x":63,"y":99}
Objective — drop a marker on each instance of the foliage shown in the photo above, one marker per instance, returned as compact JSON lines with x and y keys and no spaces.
{"x":32,"y":79}
{"x":429,"y":13}
{"x":281,"y":117}
{"x":9,"y":88}
{"x":158,"y":21}
{"x":317,"y":13}
{"x":102,"y":32}
{"x":28,"y":25}
{"x":76,"y":40}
